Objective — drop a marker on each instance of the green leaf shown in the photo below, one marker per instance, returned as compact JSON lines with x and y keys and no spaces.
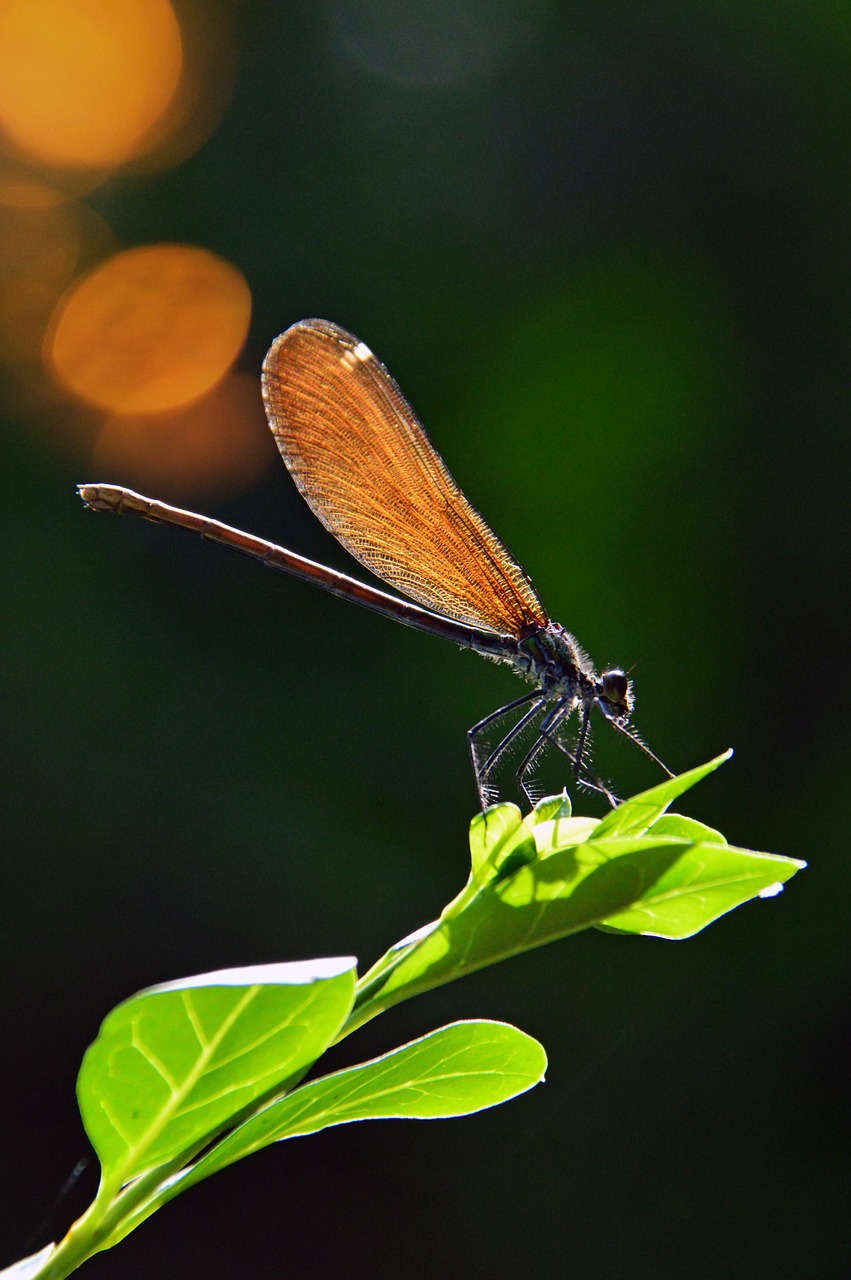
{"x":705,"y":882}
{"x":635,"y":815}
{"x":639,"y":870}
{"x":177,"y":1063}
{"x":674,"y":824}
{"x":462,"y":1068}
{"x":547,"y":899}
{"x":553,"y":807}
{"x":499,"y":840}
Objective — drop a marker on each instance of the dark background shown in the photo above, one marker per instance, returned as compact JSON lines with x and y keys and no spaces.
{"x":605,"y":250}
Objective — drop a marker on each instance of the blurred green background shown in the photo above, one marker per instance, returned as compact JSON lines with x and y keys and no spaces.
{"x":605,"y":251}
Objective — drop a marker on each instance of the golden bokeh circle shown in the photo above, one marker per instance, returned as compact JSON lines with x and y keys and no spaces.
{"x":149,"y":329}
{"x":83,"y":81}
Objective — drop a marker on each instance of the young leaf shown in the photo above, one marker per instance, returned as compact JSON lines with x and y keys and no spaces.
{"x":499,"y":839}
{"x":637,"y":814}
{"x":674,"y":824}
{"x":638,"y":870}
{"x":553,"y":807}
{"x":462,"y":1068}
{"x":177,"y":1063}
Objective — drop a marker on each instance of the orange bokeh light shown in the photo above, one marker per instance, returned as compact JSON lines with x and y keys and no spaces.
{"x":149,"y":329}
{"x":83,"y":81}
{"x":217,"y":445}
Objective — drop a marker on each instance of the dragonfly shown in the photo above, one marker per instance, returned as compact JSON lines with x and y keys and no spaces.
{"x":363,"y":462}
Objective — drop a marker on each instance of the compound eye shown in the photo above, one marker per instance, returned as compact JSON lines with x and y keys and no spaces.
{"x":615,"y":687}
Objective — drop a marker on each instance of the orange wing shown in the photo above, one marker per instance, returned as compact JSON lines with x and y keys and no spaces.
{"x":366,"y":467}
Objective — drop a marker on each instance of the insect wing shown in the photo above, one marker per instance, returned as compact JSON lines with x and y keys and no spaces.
{"x":367,"y":469}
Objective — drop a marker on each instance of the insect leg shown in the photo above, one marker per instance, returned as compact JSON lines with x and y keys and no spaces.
{"x":482,"y":770}
{"x":584,"y":776}
{"x":548,"y":726}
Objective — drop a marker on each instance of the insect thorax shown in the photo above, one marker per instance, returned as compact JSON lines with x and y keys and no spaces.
{"x":552,"y":659}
